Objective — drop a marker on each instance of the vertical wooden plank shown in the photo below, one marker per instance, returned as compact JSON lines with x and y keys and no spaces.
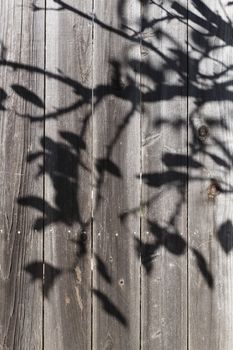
{"x":21,"y":97}
{"x":68,"y":152}
{"x":210,"y":184}
{"x":116,"y":147}
{"x":164,"y":177}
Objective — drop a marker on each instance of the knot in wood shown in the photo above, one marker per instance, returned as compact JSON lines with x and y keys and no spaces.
{"x":213,"y":190}
{"x":83,"y":236}
{"x":203,"y":132}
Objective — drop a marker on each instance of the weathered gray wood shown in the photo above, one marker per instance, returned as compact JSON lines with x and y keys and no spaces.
{"x":136,"y":296}
{"x":68,"y":151}
{"x":210,"y":185}
{"x":21,"y":95}
{"x":116,"y":147}
{"x":164,"y":181}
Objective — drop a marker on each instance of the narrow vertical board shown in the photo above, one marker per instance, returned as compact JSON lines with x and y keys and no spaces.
{"x":164,"y":176}
{"x":68,"y":152}
{"x":21,"y":98}
{"x":210,"y":182}
{"x":116,"y":148}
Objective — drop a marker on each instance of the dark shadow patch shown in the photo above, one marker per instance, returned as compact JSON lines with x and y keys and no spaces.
{"x":225,"y":236}
{"x":202,"y":265}
{"x":28,"y":95}
{"x":35,"y":269}
{"x":180,"y":160}
{"x":102,"y":268}
{"x":173,"y":242}
{"x":110,"y":308}
{"x":107,"y":165}
{"x":3,"y":97}
{"x":160,"y":179}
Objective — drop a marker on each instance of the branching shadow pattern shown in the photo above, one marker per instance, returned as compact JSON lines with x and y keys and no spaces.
{"x":215,"y":33}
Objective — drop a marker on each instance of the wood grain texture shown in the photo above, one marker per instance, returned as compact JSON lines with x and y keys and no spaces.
{"x":116,"y":225}
{"x":116,"y":147}
{"x":21,"y":95}
{"x":68,"y":152}
{"x":164,"y":177}
{"x":210,"y":185}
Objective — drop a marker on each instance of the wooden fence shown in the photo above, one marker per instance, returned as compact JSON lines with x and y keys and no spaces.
{"x":116,"y":174}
